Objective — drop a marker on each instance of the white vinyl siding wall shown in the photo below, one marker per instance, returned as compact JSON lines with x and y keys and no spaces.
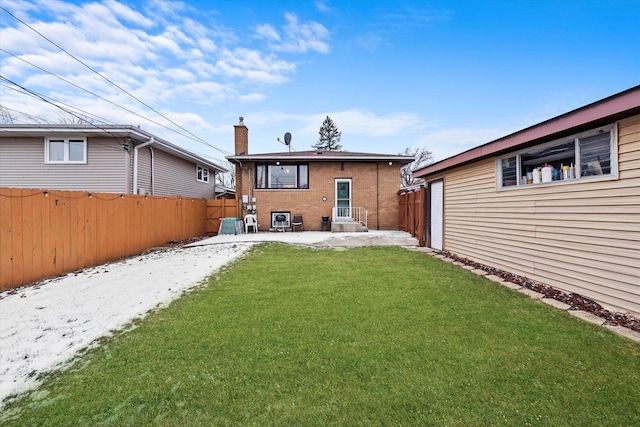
{"x":582,"y":238}
{"x":22,"y":164}
{"x":144,"y":171}
{"x":177,"y":177}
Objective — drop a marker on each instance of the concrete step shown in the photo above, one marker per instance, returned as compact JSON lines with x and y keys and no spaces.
{"x":347,"y":227}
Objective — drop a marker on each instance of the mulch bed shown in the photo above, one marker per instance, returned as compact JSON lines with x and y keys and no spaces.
{"x":576,"y":301}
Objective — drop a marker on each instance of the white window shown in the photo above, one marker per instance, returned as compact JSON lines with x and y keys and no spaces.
{"x":65,"y":150}
{"x":585,"y":156}
{"x":202,"y":174}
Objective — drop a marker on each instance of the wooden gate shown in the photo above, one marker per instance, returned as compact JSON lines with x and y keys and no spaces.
{"x":218,"y":209}
{"x":412,"y":213}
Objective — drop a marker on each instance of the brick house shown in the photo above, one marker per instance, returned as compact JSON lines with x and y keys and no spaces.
{"x":337,"y":190}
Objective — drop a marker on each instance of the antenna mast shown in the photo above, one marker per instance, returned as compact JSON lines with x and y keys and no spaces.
{"x":287,"y":140}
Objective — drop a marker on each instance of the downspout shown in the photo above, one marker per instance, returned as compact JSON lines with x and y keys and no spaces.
{"x":153,"y":171}
{"x":377,"y":195}
{"x":135,"y":163}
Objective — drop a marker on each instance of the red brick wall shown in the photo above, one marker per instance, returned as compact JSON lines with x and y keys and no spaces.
{"x":375,"y":187}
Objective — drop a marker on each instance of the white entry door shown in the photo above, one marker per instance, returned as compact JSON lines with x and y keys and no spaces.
{"x":436,"y":223}
{"x":343,"y":199}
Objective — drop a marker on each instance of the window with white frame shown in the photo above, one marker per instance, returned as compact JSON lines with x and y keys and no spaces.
{"x":585,"y":156}
{"x":202,"y":174}
{"x":65,"y":150}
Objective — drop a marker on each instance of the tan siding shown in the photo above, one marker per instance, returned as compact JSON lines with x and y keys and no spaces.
{"x":582,"y":237}
{"x":177,"y":177}
{"x":22,"y":165}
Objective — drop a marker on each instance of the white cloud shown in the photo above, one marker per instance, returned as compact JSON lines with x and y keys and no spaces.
{"x":363,"y":122}
{"x":179,"y":75}
{"x":304,"y":36}
{"x":296,"y":36}
{"x":253,"y":66}
{"x":267,"y":32}
{"x":449,"y":142}
{"x":206,"y":92}
{"x":252,"y":97}
{"x":157,"y":53}
{"x":323,"y":6}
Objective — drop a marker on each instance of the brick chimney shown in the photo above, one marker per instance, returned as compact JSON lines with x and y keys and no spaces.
{"x":241,"y":137}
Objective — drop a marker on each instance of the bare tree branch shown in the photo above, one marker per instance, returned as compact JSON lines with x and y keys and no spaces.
{"x":423,"y":157}
{"x":6,"y":116}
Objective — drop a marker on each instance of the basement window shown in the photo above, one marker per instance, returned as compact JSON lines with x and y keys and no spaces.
{"x":586,"y":156}
{"x":282,"y":176}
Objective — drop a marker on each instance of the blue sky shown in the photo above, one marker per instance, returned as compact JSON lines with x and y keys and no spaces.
{"x":441,"y":75}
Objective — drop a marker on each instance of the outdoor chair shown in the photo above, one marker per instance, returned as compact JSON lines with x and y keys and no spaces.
{"x":250,"y":221}
{"x":297,"y":222}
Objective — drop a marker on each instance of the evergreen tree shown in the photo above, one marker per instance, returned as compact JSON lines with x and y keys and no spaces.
{"x":329,"y":136}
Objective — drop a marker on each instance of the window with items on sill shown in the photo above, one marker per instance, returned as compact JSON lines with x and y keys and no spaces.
{"x":585,"y":156}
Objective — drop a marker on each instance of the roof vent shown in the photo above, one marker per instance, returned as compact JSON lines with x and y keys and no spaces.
{"x":319,"y":152}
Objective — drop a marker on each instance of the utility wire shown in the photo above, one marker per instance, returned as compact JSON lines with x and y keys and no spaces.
{"x":100,"y":97}
{"x":44,"y":98}
{"x":40,"y":96}
{"x":111,"y":82}
{"x":108,"y":147}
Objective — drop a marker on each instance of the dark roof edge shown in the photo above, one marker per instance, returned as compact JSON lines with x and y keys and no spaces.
{"x":325,"y":156}
{"x":615,"y":107}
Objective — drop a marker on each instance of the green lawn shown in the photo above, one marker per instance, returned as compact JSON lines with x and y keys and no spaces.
{"x":364,"y":336}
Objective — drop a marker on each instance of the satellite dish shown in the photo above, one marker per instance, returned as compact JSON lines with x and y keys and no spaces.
{"x":287,"y":138}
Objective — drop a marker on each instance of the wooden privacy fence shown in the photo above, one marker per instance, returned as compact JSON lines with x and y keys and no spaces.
{"x":44,"y":233}
{"x":412,"y":213}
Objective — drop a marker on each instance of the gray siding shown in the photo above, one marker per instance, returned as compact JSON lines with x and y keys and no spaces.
{"x":582,"y":237}
{"x":144,"y":171}
{"x":22,"y":165}
{"x":177,"y":177}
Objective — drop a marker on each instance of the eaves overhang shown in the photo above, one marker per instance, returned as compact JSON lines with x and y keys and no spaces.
{"x":116,"y":131}
{"x":321,"y":156}
{"x":606,"y":111}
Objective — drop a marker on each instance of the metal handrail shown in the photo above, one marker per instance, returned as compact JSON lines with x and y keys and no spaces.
{"x":350,"y":214}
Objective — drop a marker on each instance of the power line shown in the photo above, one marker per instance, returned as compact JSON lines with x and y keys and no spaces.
{"x":197,"y":138}
{"x":108,"y":147}
{"x":51,"y":101}
{"x":39,"y":96}
{"x":102,"y":98}
{"x":44,"y":98}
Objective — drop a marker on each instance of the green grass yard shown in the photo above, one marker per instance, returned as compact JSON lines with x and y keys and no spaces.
{"x":292,"y":335}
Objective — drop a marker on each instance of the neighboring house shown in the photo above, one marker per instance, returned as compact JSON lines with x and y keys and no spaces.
{"x":108,"y":158}
{"x":224,"y":192}
{"x":577,"y":229}
{"x":353,"y":191}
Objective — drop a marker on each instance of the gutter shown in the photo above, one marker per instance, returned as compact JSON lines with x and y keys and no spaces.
{"x":135,"y":163}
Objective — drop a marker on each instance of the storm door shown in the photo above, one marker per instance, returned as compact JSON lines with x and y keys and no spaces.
{"x":343,"y":200}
